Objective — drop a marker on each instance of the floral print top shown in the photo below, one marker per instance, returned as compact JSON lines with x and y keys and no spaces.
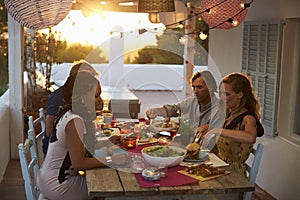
{"x":233,"y":152}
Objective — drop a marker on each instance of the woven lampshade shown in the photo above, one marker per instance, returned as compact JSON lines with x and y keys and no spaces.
{"x":38,"y":14}
{"x":221,"y":11}
{"x":156,"y":6}
{"x":180,"y":14}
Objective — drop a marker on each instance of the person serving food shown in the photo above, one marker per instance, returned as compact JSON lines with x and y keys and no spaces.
{"x":203,"y":108}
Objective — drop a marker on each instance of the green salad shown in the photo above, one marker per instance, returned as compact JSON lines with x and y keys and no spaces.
{"x":162,"y":151}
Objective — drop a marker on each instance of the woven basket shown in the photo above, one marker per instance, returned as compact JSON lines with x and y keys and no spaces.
{"x":38,"y":14}
{"x":155,"y":6}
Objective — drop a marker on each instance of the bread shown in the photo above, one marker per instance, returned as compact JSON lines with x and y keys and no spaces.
{"x":192,"y":151}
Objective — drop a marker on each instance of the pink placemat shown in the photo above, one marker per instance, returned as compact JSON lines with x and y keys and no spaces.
{"x":173,"y":179}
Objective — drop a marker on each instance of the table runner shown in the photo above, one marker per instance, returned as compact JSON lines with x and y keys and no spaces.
{"x":173,"y":177}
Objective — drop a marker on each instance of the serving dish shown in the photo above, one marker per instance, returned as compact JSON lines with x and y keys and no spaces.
{"x":169,"y":155}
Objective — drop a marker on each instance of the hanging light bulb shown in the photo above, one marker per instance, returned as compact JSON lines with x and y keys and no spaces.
{"x":203,"y":36}
{"x":235,"y":23}
{"x":208,"y":11}
{"x":183,"y":40}
{"x":180,"y":26}
{"x":154,"y":18}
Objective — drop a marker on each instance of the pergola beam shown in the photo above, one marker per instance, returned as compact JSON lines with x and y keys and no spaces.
{"x":16,"y":91}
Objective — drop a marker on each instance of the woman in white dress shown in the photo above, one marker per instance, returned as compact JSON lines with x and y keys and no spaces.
{"x":72,"y":145}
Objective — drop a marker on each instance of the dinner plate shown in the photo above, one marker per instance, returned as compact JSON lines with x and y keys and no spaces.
{"x":199,"y":160}
{"x":203,"y":156}
{"x":101,"y":153}
{"x":103,"y":136}
{"x":157,"y":126}
{"x":144,"y":140}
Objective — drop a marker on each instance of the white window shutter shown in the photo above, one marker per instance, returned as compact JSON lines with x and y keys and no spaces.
{"x":262,"y":61}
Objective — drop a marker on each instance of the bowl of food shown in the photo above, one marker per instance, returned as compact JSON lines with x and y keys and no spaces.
{"x":169,"y":155}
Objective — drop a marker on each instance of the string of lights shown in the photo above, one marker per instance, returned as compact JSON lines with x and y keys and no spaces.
{"x":203,"y":33}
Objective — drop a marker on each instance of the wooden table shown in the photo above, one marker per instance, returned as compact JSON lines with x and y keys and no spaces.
{"x":118,"y":184}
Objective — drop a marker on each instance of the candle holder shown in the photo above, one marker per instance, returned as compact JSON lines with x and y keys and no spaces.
{"x":130,"y":142}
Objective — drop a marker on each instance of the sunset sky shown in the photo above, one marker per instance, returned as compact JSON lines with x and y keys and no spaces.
{"x":96,"y":28}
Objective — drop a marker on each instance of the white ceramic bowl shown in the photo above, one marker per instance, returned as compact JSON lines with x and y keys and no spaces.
{"x":169,"y":161}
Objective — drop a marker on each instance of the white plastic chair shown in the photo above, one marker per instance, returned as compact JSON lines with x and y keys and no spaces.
{"x":30,"y":167}
{"x":36,"y":137}
{"x":253,"y":167}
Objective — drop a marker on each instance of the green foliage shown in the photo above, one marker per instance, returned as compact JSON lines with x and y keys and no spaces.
{"x":169,"y":41}
{"x":3,"y":74}
{"x":154,"y":55}
{"x":67,"y":52}
{"x":168,"y":49}
{"x":3,"y":49}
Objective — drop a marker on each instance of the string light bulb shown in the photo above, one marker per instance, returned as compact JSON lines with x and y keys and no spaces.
{"x":223,"y":10}
{"x":245,"y":5}
{"x":203,"y":35}
{"x":183,"y":40}
{"x":222,"y":14}
{"x":208,"y":11}
{"x":235,"y":23}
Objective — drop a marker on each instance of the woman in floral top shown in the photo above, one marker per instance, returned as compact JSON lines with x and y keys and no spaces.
{"x":234,"y":144}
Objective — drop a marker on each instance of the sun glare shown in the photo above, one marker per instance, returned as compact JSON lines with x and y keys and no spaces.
{"x":95,"y":29}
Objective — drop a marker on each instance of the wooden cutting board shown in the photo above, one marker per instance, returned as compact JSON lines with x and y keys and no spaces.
{"x":201,"y":178}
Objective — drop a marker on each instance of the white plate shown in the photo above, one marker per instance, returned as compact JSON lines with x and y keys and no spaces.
{"x":101,"y":136}
{"x":156,"y":126}
{"x":101,"y":153}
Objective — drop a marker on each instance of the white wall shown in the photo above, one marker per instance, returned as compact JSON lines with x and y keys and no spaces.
{"x":279,"y":170}
{"x":4,"y":133}
{"x":136,"y":76}
{"x":225,"y":50}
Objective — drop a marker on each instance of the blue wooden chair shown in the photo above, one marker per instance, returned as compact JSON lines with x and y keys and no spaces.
{"x":37,"y":124}
{"x":253,"y":167}
{"x":29,"y":155}
{"x":30,"y":167}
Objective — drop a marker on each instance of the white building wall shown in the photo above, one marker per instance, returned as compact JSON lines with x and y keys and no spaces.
{"x":4,"y":133}
{"x":280,"y":164}
{"x":135,"y":76}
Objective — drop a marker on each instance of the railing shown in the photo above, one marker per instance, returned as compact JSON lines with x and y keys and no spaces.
{"x":135,"y":76}
{"x":4,"y":133}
